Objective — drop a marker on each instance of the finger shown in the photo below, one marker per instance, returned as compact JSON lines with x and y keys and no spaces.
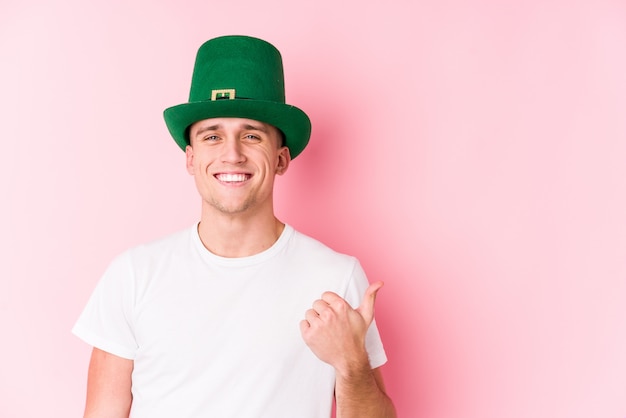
{"x":331,"y":297}
{"x":310,"y":316}
{"x":320,"y":306}
{"x":366,"y":309}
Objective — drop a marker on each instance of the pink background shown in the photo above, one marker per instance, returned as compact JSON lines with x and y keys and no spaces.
{"x":470,"y":153}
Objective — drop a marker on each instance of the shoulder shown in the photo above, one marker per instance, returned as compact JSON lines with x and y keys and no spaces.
{"x":160,"y":249}
{"x":317,"y":263}
{"x":307,"y":242}
{"x":317,"y":252}
{"x":142,"y":264}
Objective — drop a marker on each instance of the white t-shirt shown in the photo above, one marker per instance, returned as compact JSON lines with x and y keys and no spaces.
{"x":219,"y":337}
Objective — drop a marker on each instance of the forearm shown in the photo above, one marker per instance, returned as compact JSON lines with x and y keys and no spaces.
{"x":360,"y":393}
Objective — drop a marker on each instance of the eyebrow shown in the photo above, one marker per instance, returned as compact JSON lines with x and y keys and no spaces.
{"x":245,"y":127}
{"x":249,"y":127}
{"x":207,"y":128}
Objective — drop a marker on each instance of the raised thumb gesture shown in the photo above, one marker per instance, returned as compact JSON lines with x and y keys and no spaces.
{"x":366,"y":309}
{"x":335,"y":332}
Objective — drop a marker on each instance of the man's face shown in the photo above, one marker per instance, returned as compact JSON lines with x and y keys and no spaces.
{"x":234,"y":162}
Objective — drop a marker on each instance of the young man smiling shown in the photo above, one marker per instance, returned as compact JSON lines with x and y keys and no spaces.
{"x":234,"y":162}
{"x":239,"y":315}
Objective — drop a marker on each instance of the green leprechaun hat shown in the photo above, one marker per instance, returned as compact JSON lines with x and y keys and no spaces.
{"x":242,"y":77}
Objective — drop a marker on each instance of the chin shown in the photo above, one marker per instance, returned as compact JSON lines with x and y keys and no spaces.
{"x":232,"y":209}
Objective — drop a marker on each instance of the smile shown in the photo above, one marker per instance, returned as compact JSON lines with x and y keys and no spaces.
{"x":232,"y":177}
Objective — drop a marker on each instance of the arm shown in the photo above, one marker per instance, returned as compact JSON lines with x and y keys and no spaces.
{"x":363,"y":395}
{"x":336,"y":334}
{"x":108,"y":386}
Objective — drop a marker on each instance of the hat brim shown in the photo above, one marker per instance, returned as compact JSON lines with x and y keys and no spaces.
{"x":293,"y":122}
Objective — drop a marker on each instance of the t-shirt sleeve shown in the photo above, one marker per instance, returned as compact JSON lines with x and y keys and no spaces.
{"x":107,"y":321}
{"x":354,"y":294}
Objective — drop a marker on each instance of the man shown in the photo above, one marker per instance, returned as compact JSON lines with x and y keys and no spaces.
{"x":240,"y":315}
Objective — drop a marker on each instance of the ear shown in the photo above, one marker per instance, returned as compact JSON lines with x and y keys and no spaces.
{"x":284,"y":158}
{"x":189,"y":160}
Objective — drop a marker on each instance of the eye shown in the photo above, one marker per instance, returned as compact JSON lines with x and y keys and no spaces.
{"x":252,"y":137}
{"x":211,"y":138}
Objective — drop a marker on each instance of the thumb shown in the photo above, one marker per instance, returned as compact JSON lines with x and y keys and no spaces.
{"x":366,"y":309}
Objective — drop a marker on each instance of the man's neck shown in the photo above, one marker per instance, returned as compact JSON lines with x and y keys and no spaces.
{"x":238,"y":236}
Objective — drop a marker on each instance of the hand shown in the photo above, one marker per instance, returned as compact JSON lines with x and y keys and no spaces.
{"x":335,"y":332}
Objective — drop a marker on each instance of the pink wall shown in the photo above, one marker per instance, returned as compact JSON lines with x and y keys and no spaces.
{"x":470,"y":153}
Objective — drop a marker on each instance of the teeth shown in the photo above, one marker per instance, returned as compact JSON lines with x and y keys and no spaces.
{"x":231,"y":177}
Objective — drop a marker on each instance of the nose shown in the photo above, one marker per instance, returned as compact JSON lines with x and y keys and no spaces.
{"x":232,"y":151}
